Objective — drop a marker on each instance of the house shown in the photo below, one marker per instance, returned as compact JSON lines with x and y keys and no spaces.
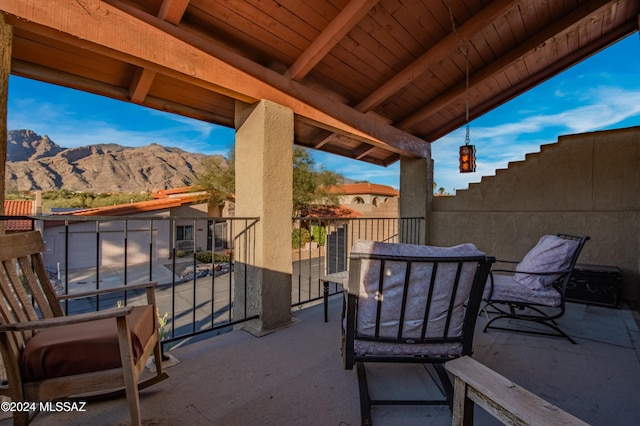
{"x":364,"y":196}
{"x":175,"y":220}
{"x":371,"y":199}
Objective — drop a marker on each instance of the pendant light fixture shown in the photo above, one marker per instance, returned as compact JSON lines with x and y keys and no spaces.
{"x":467,"y":151}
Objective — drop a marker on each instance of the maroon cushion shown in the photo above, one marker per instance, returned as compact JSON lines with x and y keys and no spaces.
{"x":84,"y":347}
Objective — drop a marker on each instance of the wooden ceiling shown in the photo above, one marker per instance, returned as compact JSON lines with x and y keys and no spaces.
{"x":371,"y":80}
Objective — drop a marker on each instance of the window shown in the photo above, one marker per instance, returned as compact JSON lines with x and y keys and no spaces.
{"x":184,"y":232}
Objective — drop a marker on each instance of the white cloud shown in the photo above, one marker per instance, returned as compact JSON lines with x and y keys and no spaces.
{"x":599,"y":108}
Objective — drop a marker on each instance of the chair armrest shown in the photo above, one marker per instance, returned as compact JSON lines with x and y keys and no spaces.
{"x":150,"y":284}
{"x":72,"y":319}
{"x":563,"y":271}
{"x":507,"y":261}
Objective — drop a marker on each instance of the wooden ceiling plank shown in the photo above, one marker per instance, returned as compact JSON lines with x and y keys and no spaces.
{"x":33,"y":47}
{"x":142,"y":80}
{"x":408,"y":35}
{"x":173,"y":10}
{"x":329,"y":37}
{"x":95,"y":23}
{"x":248,"y":29}
{"x":29,"y":70}
{"x":596,"y":45}
{"x":387,"y":39}
{"x":440,"y":50}
{"x":511,"y":58}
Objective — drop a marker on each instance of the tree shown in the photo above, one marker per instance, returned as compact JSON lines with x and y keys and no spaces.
{"x":218,"y":179}
{"x":310,"y":184}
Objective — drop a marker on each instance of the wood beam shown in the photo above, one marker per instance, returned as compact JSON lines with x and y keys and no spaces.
{"x":141,"y":83}
{"x":325,"y":140}
{"x":173,"y":10}
{"x":144,"y":40}
{"x":503,"y":63}
{"x":329,"y":37}
{"x":441,"y":50}
{"x":188,"y":56}
{"x":363,"y":150}
{"x":29,"y":70}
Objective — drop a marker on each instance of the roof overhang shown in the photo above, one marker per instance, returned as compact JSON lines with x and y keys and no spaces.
{"x":366,"y":79}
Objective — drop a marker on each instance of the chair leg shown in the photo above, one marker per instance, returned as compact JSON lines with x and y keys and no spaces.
{"x":127,"y":359}
{"x":365,"y":401}
{"x":548,"y":323}
{"x":447,"y":386}
{"x":157,"y":355}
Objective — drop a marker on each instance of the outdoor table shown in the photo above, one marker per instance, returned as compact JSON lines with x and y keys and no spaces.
{"x":341,"y":277}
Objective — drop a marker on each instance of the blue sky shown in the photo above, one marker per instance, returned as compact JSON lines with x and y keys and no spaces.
{"x":602,"y":92}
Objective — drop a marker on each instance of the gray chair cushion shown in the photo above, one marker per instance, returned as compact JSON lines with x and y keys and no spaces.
{"x":551,"y":254}
{"x":419,"y":282}
{"x":506,"y":288}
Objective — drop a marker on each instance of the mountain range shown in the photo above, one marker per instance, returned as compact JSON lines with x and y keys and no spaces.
{"x":36,"y":162}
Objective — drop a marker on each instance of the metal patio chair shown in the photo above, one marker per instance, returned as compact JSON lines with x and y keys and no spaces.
{"x":411,"y":304}
{"x":49,"y":356}
{"x":533,"y":292}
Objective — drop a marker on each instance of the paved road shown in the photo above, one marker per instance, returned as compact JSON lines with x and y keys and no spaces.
{"x":192,"y":305}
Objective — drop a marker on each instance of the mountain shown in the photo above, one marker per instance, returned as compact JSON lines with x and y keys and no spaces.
{"x":35,"y":162}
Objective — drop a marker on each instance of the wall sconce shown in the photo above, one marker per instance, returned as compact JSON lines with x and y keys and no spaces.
{"x":467,"y":158}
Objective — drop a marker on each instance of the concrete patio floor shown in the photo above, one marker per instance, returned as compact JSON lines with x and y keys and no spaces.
{"x":294,"y":376}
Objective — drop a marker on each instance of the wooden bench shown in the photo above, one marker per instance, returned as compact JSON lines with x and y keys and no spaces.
{"x":503,"y":399}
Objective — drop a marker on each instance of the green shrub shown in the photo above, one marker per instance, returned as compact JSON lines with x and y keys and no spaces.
{"x":180,"y":253}
{"x":204,"y":256}
{"x":222,"y":257}
{"x":319,"y":235}
{"x":300,"y":237}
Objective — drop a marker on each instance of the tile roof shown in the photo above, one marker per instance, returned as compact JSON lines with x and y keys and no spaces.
{"x":166,"y":193}
{"x":365,"y":188}
{"x":18,"y":208}
{"x":331,"y":211}
{"x":140,"y":206}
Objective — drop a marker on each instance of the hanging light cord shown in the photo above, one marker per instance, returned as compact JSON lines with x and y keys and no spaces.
{"x":465,"y":53}
{"x":467,"y":138}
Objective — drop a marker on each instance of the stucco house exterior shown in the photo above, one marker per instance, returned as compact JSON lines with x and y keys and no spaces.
{"x":368,"y":198}
{"x":147,"y":234}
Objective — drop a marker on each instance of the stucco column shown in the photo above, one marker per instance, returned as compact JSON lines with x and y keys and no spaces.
{"x":264,"y":189}
{"x":416,"y":194}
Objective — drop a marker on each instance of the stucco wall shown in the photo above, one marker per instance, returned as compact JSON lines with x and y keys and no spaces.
{"x":584,"y":184}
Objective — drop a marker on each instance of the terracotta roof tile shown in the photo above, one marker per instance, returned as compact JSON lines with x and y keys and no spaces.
{"x":365,"y":188}
{"x":332,"y":211}
{"x":165,"y":193}
{"x":139,"y":207}
{"x":18,"y":208}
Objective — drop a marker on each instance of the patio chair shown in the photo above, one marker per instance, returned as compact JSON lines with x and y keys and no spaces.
{"x":534,"y":292}
{"x":411,"y":304}
{"x":49,"y":356}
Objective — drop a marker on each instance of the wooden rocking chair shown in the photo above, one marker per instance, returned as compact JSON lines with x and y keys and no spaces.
{"x":411,"y":304}
{"x":49,"y":356}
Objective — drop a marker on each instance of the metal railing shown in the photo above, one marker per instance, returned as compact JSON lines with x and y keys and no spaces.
{"x":192,"y":258}
{"x":195,"y":292}
{"x":322,"y":246}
